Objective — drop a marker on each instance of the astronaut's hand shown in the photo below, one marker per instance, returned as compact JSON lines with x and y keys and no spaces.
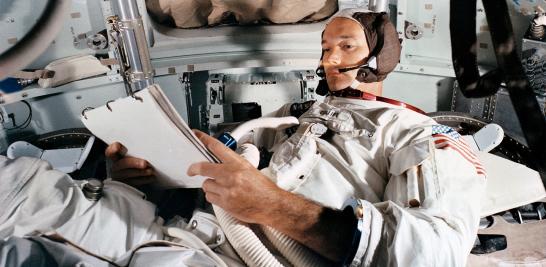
{"x":235,"y":185}
{"x":129,"y":170}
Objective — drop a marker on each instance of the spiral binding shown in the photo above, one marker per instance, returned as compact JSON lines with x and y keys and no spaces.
{"x":108,"y":105}
{"x":137,"y":97}
{"x":84,"y":110}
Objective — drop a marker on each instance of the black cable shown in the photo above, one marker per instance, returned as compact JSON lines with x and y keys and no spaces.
{"x":464,"y":54}
{"x":27,"y":121}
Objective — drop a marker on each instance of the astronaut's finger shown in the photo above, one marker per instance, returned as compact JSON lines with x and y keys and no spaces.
{"x":115,"y":151}
{"x":213,"y":170}
{"x":211,"y":186}
{"x":212,"y":197}
{"x":130,"y":163}
{"x":223,"y":153}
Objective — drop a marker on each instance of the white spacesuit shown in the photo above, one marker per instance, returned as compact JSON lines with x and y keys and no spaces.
{"x":420,"y":194}
{"x":419,"y":185}
{"x":49,"y":208}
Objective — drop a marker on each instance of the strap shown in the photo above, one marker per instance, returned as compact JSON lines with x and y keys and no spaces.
{"x":32,"y":75}
{"x":109,"y":61}
{"x":510,"y":70}
{"x":357,"y":94}
{"x":56,"y":237}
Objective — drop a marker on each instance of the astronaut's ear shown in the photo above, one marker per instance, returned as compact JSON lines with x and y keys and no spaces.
{"x":320,"y":71}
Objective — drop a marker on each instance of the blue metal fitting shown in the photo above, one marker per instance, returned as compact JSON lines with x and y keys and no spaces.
{"x":228,"y":140}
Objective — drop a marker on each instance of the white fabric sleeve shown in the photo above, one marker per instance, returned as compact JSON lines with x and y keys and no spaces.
{"x":39,"y":198}
{"x":439,"y":232}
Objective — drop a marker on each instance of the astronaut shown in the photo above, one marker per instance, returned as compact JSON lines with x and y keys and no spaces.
{"x":360,"y":181}
{"x":414,"y":186}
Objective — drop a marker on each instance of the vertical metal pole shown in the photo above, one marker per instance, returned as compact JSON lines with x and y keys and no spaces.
{"x":138,"y":72}
{"x":379,"y":5}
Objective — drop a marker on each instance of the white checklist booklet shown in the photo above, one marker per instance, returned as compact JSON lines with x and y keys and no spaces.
{"x":150,"y":128}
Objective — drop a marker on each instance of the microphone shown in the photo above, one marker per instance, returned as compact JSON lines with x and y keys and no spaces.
{"x":372,"y":64}
{"x":352,"y":68}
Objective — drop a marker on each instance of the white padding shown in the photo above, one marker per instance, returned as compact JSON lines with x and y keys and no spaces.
{"x":489,"y":137}
{"x":71,"y":69}
{"x":509,"y":184}
{"x":65,"y":160}
{"x":198,"y":13}
{"x":23,"y":149}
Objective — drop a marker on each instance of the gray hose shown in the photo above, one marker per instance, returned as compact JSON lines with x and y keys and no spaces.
{"x":37,"y":40}
{"x":244,"y":241}
{"x":296,"y":253}
{"x":242,"y":237}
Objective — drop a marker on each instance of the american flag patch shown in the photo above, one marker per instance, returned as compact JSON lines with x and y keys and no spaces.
{"x":447,"y":138}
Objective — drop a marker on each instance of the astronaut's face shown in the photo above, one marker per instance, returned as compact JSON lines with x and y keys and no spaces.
{"x":343,"y":45}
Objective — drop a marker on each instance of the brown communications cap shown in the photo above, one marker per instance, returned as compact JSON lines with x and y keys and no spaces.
{"x":382,"y":40}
